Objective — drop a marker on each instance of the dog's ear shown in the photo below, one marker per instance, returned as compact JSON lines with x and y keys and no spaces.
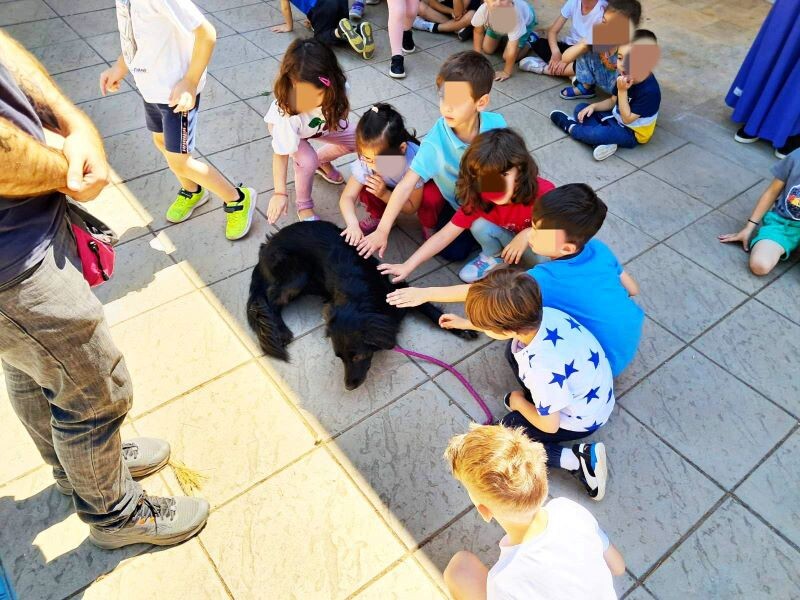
{"x":381,"y":331}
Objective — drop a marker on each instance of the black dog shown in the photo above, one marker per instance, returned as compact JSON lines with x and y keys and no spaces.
{"x":313,"y":258}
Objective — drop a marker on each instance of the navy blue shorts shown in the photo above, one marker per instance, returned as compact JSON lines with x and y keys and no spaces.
{"x":178,"y":128}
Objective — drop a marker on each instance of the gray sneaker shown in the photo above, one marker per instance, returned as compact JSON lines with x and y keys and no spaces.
{"x":143,"y":456}
{"x":157,"y":521}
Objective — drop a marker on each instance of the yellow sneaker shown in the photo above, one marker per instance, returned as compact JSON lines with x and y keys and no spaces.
{"x":185,"y":204}
{"x":239,"y":215}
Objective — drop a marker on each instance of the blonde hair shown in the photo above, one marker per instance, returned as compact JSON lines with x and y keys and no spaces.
{"x":500,"y":465}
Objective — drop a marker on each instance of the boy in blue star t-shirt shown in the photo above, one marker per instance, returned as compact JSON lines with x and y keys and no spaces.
{"x":567,"y":390}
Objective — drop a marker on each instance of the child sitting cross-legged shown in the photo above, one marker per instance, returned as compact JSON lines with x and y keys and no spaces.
{"x":498,"y":182}
{"x":551,"y":551}
{"x":566,"y":387}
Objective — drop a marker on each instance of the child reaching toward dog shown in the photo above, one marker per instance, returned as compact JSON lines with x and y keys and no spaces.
{"x":498,"y":182}
{"x":310,"y":103}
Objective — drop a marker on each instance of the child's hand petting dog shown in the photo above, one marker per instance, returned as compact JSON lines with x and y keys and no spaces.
{"x":352,"y":234}
{"x":513,"y":252}
{"x":398,"y":272}
{"x":278,"y":207}
{"x":451,"y":321}
{"x":407,"y":297}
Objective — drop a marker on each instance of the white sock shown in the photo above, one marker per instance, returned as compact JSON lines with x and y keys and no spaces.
{"x":568,"y":460}
{"x":423,"y":24}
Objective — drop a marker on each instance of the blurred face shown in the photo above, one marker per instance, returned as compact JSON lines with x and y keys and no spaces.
{"x":387,"y":163}
{"x":306,"y":97}
{"x":457,"y":104}
{"x":503,"y":15}
{"x":637,"y":61}
{"x":614,"y":30}
{"x":550,"y":242}
{"x":498,"y":188}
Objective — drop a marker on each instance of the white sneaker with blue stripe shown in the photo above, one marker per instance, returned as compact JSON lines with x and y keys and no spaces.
{"x":480,"y":267}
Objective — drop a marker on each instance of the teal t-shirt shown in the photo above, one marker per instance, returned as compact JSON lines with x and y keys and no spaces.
{"x":440,"y":154}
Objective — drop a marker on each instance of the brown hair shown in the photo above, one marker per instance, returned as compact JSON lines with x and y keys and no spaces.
{"x":630,"y":8}
{"x":506,"y":300}
{"x":492,"y":153}
{"x":575,"y":208}
{"x":315,"y":63}
{"x":469,"y":66}
{"x":501,"y":465}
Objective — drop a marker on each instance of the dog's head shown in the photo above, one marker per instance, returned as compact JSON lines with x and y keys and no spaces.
{"x":356,"y":336}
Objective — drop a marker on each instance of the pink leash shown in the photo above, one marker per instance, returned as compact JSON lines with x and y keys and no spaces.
{"x":489,"y":418}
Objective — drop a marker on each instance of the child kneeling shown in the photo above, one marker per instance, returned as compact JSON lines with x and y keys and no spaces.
{"x":552,"y":550}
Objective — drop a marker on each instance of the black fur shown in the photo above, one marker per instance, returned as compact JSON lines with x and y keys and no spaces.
{"x":313,"y":258}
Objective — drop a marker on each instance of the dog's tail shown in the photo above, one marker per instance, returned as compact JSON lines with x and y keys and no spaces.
{"x":265,"y":318}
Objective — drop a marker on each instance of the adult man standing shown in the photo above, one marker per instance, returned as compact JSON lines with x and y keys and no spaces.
{"x":66,"y":379}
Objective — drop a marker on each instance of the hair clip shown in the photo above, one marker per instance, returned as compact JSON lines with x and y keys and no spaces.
{"x":325,"y":81}
{"x":374,"y":108}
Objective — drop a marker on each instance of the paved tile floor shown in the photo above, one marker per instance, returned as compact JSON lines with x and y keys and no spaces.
{"x":318,"y":493}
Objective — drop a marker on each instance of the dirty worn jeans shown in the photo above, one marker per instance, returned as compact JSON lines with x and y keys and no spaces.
{"x":68,"y":383}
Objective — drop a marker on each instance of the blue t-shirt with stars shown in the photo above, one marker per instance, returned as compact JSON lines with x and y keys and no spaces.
{"x":565,"y":369}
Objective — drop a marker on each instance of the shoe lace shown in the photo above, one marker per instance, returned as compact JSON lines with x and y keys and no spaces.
{"x":130,"y":450}
{"x":480,"y":263}
{"x":155,"y":507}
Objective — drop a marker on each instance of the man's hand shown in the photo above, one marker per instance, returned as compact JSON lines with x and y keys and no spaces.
{"x":586,"y":112}
{"x":110,"y":79}
{"x":372,"y":243}
{"x":407,"y":297}
{"x":398,"y":272}
{"x":183,"y":96}
{"x":87,"y":172}
{"x":501,"y":75}
{"x":513,"y":252}
{"x":376,"y":186}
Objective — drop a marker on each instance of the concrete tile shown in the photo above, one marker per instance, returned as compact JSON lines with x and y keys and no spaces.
{"x":277,"y":43}
{"x":491,"y":376}
{"x":674,"y":402}
{"x":144,"y":277}
{"x":741,"y":207}
{"x":39,"y":33}
{"x":772,"y":487}
{"x":241,"y":81}
{"x":94,"y":23}
{"x":406,"y":580}
{"x":325,"y":526}
{"x":421,"y":70}
{"x":395,"y":457}
{"x":424,"y":40}
{"x":319,"y":393}
{"x":250,"y":163}
{"x":549,"y":100}
{"x":524,"y":85}
{"x":452,"y":45}
{"x":66,"y":56}
{"x":656,"y":345}
{"x":83,"y":84}
{"x":221,"y":28}
{"x":762,"y":339}
{"x":214,"y":95}
{"x":766,"y":565}
{"x":106,"y":45}
{"x":703,"y":175}
{"x":560,"y":160}
{"x":663,"y":142}
{"x":230,"y":125}
{"x":260,"y":103}
{"x":250,"y":17}
{"x":117,"y":113}
{"x":195,"y":578}
{"x":116,"y":211}
{"x":234,"y":50}
{"x":23,"y":11}
{"x":625,"y":240}
{"x":16,"y":446}
{"x":653,"y":206}
{"x":729,"y":261}
{"x":217,"y":5}
{"x":261,"y":432}
{"x":661,"y":272}
{"x":535,"y":129}
{"x":420,"y":115}
{"x":163,"y":365}
{"x":349,"y":60}
{"x":781,"y":294}
{"x":128,"y":164}
{"x":653,"y":495}
{"x":640,"y":593}
{"x":369,"y":85}
{"x":69,"y":7}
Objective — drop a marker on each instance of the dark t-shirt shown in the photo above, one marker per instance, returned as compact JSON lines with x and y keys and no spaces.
{"x":27,"y":225}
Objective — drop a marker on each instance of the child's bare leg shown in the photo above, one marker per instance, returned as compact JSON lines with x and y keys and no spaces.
{"x":431,"y":14}
{"x":187,"y":184}
{"x":764,"y":255}
{"x":457,"y":25}
{"x":465,"y":577}
{"x":184,"y":166}
{"x":490,"y":45}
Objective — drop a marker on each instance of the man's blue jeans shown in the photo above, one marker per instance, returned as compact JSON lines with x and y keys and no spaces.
{"x":602,"y":128}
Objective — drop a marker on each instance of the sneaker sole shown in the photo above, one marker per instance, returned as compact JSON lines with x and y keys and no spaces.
{"x":600,"y":472}
{"x":606,"y":153}
{"x":254,"y":196}
{"x":489,"y":270}
{"x":397,"y":75}
{"x":365,"y":30}
{"x":414,"y":49}
{"x":742,"y":140}
{"x":200,"y":203}
{"x":351,"y":36}
{"x":111,"y":544}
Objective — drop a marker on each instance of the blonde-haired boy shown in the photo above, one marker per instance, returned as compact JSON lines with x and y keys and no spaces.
{"x":550,"y":551}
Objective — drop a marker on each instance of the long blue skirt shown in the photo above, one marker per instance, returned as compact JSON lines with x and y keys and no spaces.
{"x":765,"y":95}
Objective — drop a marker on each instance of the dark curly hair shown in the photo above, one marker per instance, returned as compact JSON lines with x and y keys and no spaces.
{"x":383,"y":123}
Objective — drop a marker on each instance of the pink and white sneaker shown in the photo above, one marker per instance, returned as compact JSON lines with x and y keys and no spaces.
{"x":368,"y":225}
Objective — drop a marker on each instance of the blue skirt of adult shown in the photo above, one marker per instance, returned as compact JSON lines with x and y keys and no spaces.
{"x":765,"y":95}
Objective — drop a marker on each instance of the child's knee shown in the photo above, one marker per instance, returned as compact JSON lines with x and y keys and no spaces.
{"x":177,"y":162}
{"x":461,"y":567}
{"x":760,"y":265}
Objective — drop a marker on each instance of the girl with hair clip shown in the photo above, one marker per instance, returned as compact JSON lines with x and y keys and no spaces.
{"x":498,"y":182}
{"x":385,"y":151}
{"x":310,"y":103}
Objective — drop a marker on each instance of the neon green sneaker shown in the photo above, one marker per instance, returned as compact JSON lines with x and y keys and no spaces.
{"x":185,"y":204}
{"x":239,"y":215}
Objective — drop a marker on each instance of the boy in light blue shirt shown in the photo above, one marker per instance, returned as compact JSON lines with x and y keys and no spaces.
{"x":464,"y":82}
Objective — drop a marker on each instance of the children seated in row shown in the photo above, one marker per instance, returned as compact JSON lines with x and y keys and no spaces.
{"x":552,"y":549}
{"x":511,"y":21}
{"x":330,"y":23}
{"x":564,"y":222}
{"x":447,"y":16}
{"x":547,"y":52}
{"x":777,"y":217}
{"x":628,"y":117}
{"x":464,"y":83}
{"x":497,"y":184}
{"x":310,"y":103}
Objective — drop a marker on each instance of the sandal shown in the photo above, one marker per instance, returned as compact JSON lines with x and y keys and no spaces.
{"x":584,"y":91}
{"x":321,"y":172}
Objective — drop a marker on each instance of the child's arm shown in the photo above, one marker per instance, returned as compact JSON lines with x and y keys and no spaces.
{"x":458,"y":9}
{"x":629,"y":283}
{"x":435,"y":244}
{"x":288,"y":25}
{"x":572,"y":53}
{"x":478,"y":33}
{"x":614,"y":560}
{"x":451,"y":321}
{"x":414,"y":296}
{"x":764,"y":203}
{"x":547,"y":423}
{"x":111,"y":77}
{"x":438,"y":6}
{"x":279,"y":203}
{"x":184,"y":94}
{"x":624,"y":107}
{"x":557,"y":65}
{"x":347,"y":205}
{"x":378,"y":239}
{"x":606,"y":104}
{"x":516,"y":248}
{"x":509,"y":57}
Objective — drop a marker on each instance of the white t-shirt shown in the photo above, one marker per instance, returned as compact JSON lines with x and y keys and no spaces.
{"x":564,"y":562}
{"x":582,"y":24}
{"x":157,"y":38}
{"x":525,"y":18}
{"x":565,"y":369}
{"x":361,"y":171}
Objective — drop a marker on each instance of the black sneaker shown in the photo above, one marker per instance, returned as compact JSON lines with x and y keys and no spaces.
{"x":465,"y":34}
{"x":593,"y":473}
{"x":744,"y":138}
{"x":397,"y":70}
{"x":792,"y":144}
{"x":408,"y":42}
{"x":562,"y":120}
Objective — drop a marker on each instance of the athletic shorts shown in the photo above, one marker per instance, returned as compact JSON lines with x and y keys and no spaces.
{"x":179,"y":129}
{"x":780,"y":230}
{"x":527,"y":39}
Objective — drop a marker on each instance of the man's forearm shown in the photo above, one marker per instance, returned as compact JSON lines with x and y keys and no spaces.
{"x":30,"y":168}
